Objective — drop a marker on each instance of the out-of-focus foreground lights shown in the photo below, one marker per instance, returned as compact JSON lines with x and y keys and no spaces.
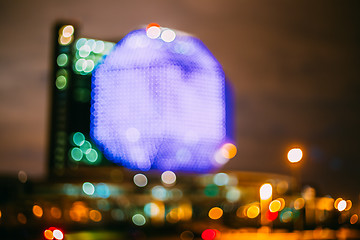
{"x":286,"y":216}
{"x":151,"y":209}
{"x":209,"y":234}
{"x":253,"y":211}
{"x":295,"y":155}
{"x":325,"y":203}
{"x":22,"y":176}
{"x":215,"y":213}
{"x":168,"y":178}
{"x":140,"y":180}
{"x":221,"y":179}
{"x":53,"y":233}
{"x":228,"y":150}
{"x":275,"y":206}
{"x":21,"y":218}
{"x":66,"y":34}
{"x":67,"y":31}
{"x":48,"y":234}
{"x":265,"y":191}
{"x":342,"y":205}
{"x":37,"y":211}
{"x":187,"y":235}
{"x":233,"y":194}
{"x":159,"y":192}
{"x":138,"y":219}
{"x":348,"y":205}
{"x":58,"y":234}
{"x":299,"y":203}
{"x":95,"y":215}
{"x":354,"y":219}
{"x":271,"y":216}
{"x":88,"y":188}
{"x":55,"y":212}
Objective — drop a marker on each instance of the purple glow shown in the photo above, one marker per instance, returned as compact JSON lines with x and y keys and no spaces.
{"x":159,"y":105}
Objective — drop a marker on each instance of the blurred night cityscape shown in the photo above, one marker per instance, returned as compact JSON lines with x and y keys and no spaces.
{"x":239,"y":126}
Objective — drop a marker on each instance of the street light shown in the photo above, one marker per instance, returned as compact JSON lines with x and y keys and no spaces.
{"x":265,"y":199}
{"x":294,"y":156}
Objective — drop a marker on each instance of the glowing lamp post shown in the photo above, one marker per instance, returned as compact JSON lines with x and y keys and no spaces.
{"x":265,"y":199}
{"x":294,"y":156}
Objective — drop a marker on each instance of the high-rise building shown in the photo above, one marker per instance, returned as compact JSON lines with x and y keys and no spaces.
{"x":74,"y":59}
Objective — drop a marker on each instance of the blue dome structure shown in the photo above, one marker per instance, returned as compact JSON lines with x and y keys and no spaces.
{"x":159,"y":103}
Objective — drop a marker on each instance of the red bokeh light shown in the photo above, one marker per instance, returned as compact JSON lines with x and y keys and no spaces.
{"x":209,"y":234}
{"x":271,"y":216}
{"x":152,"y":25}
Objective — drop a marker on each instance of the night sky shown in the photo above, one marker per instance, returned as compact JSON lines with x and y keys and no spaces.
{"x":294,"y":67}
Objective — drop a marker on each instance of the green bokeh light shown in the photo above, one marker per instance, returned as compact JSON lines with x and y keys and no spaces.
{"x":78,"y":138}
{"x":88,"y":188}
{"x":81,"y":42}
{"x":139,"y":219}
{"x":61,"y":82}
{"x":62,"y":60}
{"x":76,"y":154}
{"x":91,"y":155}
{"x":211,"y":190}
{"x":62,"y":72}
{"x":86,"y":147}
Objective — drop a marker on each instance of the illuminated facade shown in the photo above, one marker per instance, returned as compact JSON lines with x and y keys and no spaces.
{"x":158,"y":102}
{"x":73,"y":62}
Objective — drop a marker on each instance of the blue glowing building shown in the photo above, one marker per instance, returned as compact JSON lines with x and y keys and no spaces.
{"x":158,"y":102}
